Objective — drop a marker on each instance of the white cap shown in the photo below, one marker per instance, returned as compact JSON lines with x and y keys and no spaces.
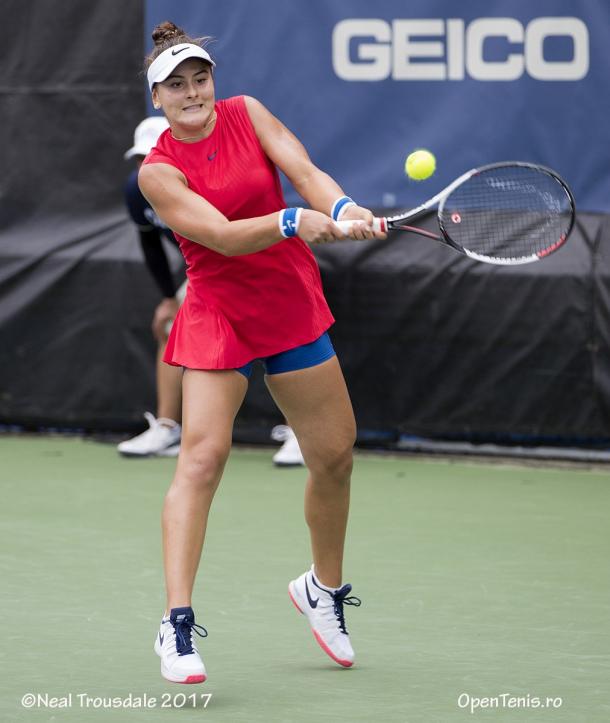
{"x":146,"y":135}
{"x":163,"y":65}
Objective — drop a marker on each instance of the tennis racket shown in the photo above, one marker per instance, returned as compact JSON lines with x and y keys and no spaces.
{"x":504,"y":213}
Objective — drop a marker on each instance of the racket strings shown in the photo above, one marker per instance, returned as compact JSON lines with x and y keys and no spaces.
{"x":509,"y":212}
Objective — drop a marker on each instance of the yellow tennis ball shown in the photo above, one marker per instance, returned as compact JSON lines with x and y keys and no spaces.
{"x":420,"y":165}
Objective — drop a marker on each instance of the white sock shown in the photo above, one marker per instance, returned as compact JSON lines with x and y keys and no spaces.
{"x":320,"y":584}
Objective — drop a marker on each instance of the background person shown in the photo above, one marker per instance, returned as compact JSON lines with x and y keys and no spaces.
{"x":162,"y":438}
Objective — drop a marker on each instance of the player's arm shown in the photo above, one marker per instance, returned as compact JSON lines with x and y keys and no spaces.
{"x":191,"y":216}
{"x":288,"y":153}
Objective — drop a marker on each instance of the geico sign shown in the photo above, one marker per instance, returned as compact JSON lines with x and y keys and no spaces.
{"x":406,"y":49}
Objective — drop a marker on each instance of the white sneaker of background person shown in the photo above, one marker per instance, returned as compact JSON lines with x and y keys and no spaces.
{"x":323,"y":607}
{"x":162,"y":438}
{"x":174,"y":644}
{"x":289,"y":454}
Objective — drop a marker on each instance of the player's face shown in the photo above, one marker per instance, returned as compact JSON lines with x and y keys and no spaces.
{"x":187,"y":96}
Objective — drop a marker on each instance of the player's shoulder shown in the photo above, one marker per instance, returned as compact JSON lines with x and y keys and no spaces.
{"x":157,"y":169}
{"x":239,"y":104}
{"x":259,"y":115}
{"x":252,"y":103}
{"x":154,"y":177}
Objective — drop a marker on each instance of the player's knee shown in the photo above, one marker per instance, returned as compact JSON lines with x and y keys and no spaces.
{"x":335,"y":461}
{"x":202,"y":463}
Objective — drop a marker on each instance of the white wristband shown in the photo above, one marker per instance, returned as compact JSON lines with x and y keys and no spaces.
{"x":339,"y":207}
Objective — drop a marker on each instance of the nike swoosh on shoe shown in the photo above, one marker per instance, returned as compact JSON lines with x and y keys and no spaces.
{"x":313,"y":603}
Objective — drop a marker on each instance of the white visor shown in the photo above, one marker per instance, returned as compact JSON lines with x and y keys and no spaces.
{"x":163,"y":65}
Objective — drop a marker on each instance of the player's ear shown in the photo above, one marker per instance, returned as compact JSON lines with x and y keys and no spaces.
{"x":155,"y":98}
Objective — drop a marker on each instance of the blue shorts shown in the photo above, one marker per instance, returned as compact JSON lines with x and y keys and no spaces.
{"x":302,"y":357}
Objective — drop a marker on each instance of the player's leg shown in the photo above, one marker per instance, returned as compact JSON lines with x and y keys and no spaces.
{"x":211,"y":400}
{"x":316,"y":404}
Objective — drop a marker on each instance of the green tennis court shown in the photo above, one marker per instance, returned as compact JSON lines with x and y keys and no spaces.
{"x":477,"y":581}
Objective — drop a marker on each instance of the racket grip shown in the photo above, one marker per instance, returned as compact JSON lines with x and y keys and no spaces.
{"x":379,"y":224}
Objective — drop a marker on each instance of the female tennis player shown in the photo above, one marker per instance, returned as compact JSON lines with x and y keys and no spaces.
{"x":254,"y":293}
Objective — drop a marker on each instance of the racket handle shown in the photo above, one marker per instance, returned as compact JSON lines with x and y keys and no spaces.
{"x":379,"y":224}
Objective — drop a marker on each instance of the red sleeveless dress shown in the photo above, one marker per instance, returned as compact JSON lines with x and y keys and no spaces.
{"x":239,"y":308}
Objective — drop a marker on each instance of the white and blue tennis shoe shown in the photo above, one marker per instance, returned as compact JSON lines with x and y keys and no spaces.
{"x":323,"y":607}
{"x":180,"y":659}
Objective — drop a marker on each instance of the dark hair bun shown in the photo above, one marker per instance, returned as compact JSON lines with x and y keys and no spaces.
{"x":166,"y":32}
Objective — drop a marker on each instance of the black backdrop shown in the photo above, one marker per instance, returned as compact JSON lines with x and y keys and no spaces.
{"x":431,"y":343}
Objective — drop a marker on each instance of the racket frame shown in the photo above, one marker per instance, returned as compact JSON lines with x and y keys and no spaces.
{"x":399,"y":222}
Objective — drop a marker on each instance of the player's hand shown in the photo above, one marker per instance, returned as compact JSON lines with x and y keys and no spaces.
{"x":164,"y":313}
{"x":317,"y":228}
{"x":363,"y":230}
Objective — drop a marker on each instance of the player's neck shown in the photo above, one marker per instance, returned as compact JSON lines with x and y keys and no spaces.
{"x":200,"y":135}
